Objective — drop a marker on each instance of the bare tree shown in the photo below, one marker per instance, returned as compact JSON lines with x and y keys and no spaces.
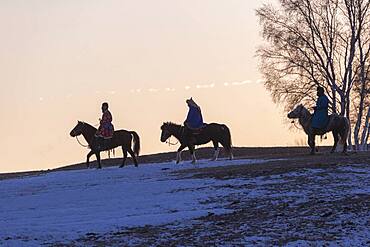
{"x":312,"y":43}
{"x":362,"y":71}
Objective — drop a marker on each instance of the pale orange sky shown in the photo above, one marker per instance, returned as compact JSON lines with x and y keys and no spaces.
{"x":60,"y":59}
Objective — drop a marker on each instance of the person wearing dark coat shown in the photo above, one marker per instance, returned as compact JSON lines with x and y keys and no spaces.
{"x":194,"y":119}
{"x":320,"y":117}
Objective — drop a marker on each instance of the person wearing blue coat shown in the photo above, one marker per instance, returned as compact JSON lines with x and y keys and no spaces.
{"x":320,"y":117}
{"x":194,"y":119}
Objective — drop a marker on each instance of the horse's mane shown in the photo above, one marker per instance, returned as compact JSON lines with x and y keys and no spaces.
{"x":172,"y":124}
{"x":89,"y":126}
{"x":306,"y":111}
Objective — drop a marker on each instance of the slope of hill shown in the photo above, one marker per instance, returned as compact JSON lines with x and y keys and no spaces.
{"x":271,"y":196}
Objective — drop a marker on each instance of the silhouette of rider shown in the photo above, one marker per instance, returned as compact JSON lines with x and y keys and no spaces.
{"x":106,"y":129}
{"x":194,"y":119}
{"x":320,"y":117}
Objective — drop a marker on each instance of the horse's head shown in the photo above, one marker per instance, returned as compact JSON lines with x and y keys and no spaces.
{"x":297,"y":112}
{"x":166,"y":132}
{"x":78,"y":129}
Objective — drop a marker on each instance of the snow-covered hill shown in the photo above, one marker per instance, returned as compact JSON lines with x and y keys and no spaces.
{"x":65,"y":205}
{"x":297,"y":201}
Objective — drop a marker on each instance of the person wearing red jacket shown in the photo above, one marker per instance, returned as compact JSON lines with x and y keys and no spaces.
{"x":106,"y":128}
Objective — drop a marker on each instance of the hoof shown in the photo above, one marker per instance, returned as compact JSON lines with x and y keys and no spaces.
{"x":136,"y":165}
{"x":121,"y":166}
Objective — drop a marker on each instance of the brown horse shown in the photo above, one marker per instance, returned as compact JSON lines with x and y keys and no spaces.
{"x":121,"y":138}
{"x":217,"y":133}
{"x":338,"y":125}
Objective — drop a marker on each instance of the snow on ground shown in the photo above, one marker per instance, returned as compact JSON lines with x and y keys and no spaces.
{"x":298,"y":207}
{"x":63,"y":206}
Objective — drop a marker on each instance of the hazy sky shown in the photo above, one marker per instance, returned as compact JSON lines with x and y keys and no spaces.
{"x":61,"y":59}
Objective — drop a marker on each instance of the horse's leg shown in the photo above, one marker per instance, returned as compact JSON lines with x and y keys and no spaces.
{"x":124,"y":157}
{"x":231,"y":155}
{"x":192,"y":152}
{"x":228,"y":150}
{"x":217,"y":151}
{"x":344,"y":146}
{"x":178,"y":154}
{"x":97,"y":154}
{"x":133,"y":156}
{"x":336,"y":138}
{"x":88,"y":159}
{"x":344,"y":140}
{"x":311,"y":143}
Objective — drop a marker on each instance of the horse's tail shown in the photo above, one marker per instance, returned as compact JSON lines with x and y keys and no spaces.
{"x":228,"y":141}
{"x":344,"y":136}
{"x":136,"y":142}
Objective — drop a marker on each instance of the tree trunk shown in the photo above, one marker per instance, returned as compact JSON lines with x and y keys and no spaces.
{"x":365,"y":131}
{"x":356,"y":133}
{"x":366,"y":139}
{"x":350,"y":145}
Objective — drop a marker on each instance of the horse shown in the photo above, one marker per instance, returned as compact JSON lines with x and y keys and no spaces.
{"x":217,"y":133}
{"x":338,"y":125}
{"x":121,"y":138}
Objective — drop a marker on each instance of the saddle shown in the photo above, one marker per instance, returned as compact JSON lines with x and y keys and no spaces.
{"x":197,"y":131}
{"x":102,"y":143}
{"x":332,"y":118}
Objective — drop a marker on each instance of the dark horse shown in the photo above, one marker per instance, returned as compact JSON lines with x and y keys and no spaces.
{"x":217,"y":133}
{"x":338,"y":125}
{"x":121,"y":138}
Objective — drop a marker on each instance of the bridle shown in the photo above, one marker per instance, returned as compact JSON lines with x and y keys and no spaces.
{"x":81,"y":144}
{"x":299,"y":116}
{"x":295,"y":125}
{"x":168,"y":141}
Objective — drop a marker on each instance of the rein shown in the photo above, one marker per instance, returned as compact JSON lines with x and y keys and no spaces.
{"x":169,"y":139}
{"x":171,"y":144}
{"x":295,"y":125}
{"x":83,"y":145}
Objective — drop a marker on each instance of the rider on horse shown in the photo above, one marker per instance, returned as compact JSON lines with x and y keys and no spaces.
{"x":194,"y":120}
{"x":320,"y":117}
{"x":106,"y":129}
